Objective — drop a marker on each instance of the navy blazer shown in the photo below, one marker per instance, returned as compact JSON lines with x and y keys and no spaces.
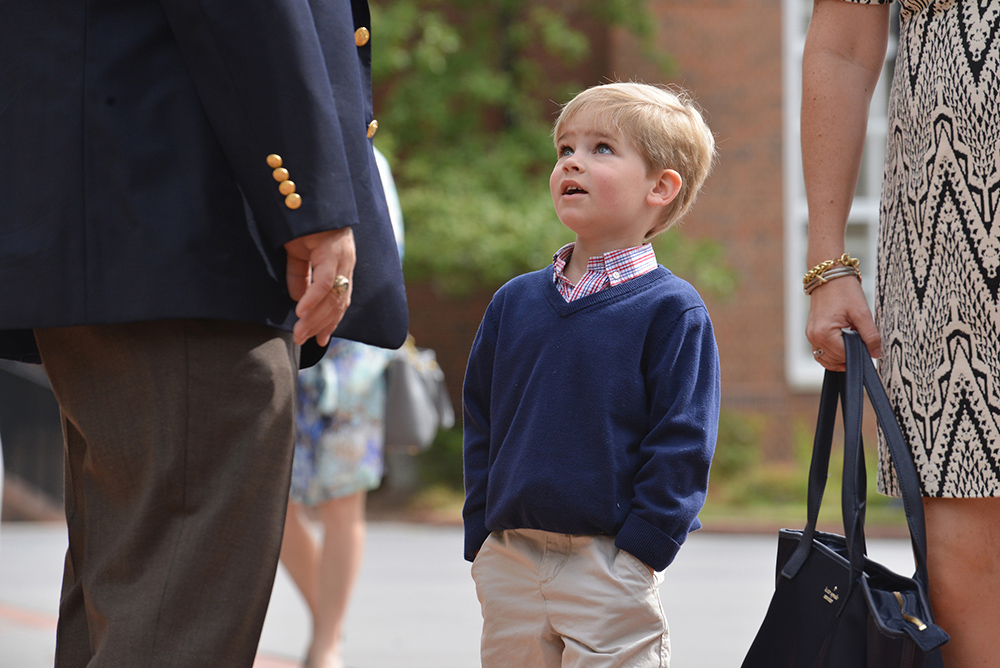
{"x":134,"y":182}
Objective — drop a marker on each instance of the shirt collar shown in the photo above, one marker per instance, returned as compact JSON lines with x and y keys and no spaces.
{"x":618,"y":265}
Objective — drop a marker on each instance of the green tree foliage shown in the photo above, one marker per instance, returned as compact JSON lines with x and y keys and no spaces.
{"x":466,"y":91}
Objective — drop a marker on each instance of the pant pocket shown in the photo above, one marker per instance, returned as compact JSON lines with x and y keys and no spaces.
{"x":630,"y":563}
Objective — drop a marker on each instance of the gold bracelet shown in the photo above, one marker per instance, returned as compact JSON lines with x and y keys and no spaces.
{"x":828,"y":270}
{"x":826,"y":277}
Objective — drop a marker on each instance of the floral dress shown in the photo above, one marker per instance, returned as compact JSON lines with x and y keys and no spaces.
{"x":339,"y":431}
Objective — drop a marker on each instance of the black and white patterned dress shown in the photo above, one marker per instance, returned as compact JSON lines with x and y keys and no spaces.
{"x":939,"y":245}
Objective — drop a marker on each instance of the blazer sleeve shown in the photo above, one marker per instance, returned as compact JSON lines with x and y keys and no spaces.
{"x":284,"y":77}
{"x":293,"y":78}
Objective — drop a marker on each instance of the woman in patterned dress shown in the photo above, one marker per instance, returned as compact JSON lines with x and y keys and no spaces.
{"x":338,"y":459}
{"x":938,"y":268}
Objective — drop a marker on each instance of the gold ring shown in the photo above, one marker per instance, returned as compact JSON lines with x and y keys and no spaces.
{"x":340,"y":285}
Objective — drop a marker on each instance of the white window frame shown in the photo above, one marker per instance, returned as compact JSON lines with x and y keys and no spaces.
{"x":801,"y":371}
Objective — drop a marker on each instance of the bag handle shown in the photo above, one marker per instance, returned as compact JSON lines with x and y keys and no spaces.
{"x":854,"y":488}
{"x":818,"y":469}
{"x":860,"y":374}
{"x":902,"y":458}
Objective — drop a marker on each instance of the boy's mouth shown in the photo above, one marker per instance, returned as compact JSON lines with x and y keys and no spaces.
{"x":573,"y":189}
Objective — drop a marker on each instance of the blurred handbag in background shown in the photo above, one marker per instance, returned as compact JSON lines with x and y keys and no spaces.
{"x":833,"y":607}
{"x":417,"y":401}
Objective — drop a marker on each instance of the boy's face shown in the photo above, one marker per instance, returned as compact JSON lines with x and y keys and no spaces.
{"x":600,"y":184}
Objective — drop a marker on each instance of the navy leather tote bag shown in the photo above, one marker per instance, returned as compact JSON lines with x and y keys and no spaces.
{"x":833,"y":607}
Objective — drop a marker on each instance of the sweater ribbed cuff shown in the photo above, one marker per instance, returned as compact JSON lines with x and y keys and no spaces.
{"x":476,"y":533}
{"x":647,"y":543}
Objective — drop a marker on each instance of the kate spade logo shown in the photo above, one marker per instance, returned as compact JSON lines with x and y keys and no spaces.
{"x":830,"y":595}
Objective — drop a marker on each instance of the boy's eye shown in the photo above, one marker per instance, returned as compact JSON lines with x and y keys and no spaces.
{"x":603,"y":148}
{"x":565,"y":151}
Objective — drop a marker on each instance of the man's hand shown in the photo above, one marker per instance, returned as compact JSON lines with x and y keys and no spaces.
{"x":314,"y":263}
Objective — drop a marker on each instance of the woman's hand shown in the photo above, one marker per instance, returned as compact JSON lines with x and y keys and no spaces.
{"x":837,"y":305}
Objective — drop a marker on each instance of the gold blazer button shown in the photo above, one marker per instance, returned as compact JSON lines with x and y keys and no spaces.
{"x":361,"y":36}
{"x":372,"y":129}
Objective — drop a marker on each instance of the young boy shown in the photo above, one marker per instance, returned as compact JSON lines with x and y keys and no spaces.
{"x":591,"y":400}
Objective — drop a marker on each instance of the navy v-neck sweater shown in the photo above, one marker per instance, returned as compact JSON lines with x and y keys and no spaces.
{"x":596,"y":416}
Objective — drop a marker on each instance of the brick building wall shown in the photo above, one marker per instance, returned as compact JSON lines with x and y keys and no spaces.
{"x":729,"y":53}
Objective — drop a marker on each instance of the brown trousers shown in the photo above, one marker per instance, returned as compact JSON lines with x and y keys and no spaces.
{"x":179,"y":438}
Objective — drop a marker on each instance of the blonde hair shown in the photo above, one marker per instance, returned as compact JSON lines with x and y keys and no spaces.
{"x":665,"y":125}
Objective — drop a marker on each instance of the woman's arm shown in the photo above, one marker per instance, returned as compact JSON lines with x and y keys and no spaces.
{"x":844,"y":52}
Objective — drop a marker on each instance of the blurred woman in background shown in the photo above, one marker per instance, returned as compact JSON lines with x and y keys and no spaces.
{"x":338,"y":460}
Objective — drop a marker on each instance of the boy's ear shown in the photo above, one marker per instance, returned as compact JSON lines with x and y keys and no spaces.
{"x":666,"y":188}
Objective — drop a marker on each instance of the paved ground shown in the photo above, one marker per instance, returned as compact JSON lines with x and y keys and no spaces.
{"x":415,"y":604}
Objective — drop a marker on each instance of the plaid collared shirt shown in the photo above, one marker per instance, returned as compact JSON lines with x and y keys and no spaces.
{"x":603,"y":271}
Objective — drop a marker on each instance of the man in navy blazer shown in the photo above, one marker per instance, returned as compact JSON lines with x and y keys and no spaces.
{"x":187,"y":191}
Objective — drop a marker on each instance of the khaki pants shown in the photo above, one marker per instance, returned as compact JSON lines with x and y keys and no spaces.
{"x":551,"y":599}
